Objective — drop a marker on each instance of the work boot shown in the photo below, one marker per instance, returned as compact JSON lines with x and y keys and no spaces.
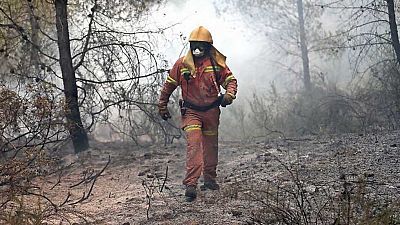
{"x":190,"y":193}
{"x":211,"y":185}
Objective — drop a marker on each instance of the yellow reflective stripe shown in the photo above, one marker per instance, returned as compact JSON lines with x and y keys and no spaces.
{"x":232,"y":95}
{"x":210,"y":132}
{"x":227,"y":80}
{"x":210,"y":69}
{"x":192,"y":127}
{"x":171,"y":80}
{"x":185,"y":70}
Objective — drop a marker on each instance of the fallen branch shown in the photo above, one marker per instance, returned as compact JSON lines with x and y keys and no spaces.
{"x":93,"y":179}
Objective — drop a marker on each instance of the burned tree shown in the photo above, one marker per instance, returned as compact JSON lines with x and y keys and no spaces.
{"x":47,"y":98}
{"x":74,"y":122}
{"x":294,"y":28}
{"x":394,"y":34}
{"x":303,"y":46}
{"x":368,"y":30}
{"x":123,"y":73}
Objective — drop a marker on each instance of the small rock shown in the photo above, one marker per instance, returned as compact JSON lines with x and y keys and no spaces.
{"x":150,"y":175}
{"x":393,"y":145}
{"x":168,"y":215}
{"x":369,"y":175}
{"x":267,"y":154}
{"x":236,"y":213}
{"x":126,"y":223}
{"x":147,"y":155}
{"x":142,"y":173}
{"x":311,"y":189}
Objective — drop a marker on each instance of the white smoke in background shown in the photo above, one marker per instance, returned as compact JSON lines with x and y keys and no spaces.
{"x":249,"y":53}
{"x":246,"y":55}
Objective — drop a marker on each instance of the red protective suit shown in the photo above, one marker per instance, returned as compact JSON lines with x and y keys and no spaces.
{"x":202,"y":89}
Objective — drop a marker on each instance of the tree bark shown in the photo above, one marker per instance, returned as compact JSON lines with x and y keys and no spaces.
{"x":303,"y":46}
{"x":393,"y":29}
{"x":75,"y":126}
{"x":34,"y":52}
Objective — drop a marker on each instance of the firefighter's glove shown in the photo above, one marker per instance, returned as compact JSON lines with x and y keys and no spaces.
{"x":227,"y":99}
{"x":164,"y":113}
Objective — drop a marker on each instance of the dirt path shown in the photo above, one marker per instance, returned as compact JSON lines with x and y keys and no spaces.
{"x":321,"y":165}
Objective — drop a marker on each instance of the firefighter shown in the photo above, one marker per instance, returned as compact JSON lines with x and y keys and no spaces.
{"x":200,"y":74}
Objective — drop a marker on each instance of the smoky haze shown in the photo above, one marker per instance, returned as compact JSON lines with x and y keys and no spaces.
{"x":246,"y":52}
{"x":316,"y":119}
{"x":250,"y":53}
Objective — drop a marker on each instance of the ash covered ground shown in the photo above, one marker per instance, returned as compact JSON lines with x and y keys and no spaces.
{"x":330,"y":179}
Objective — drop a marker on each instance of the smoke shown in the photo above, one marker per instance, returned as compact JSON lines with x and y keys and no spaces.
{"x":245,"y":50}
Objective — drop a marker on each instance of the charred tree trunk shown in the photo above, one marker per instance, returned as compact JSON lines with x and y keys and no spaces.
{"x":394,"y":34}
{"x":34,"y":56}
{"x":75,"y":127}
{"x":393,"y":29}
{"x":303,"y":46}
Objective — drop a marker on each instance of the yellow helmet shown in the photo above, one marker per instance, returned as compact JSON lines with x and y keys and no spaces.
{"x":201,"y":34}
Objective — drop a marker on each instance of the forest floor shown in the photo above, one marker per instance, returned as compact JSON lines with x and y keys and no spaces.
{"x":338,"y":179}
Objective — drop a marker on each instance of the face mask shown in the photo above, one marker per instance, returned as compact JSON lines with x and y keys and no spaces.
{"x":198,"y":53}
{"x":198,"y":48}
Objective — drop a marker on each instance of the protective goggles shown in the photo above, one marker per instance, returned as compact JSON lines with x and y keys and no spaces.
{"x":201,"y":45}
